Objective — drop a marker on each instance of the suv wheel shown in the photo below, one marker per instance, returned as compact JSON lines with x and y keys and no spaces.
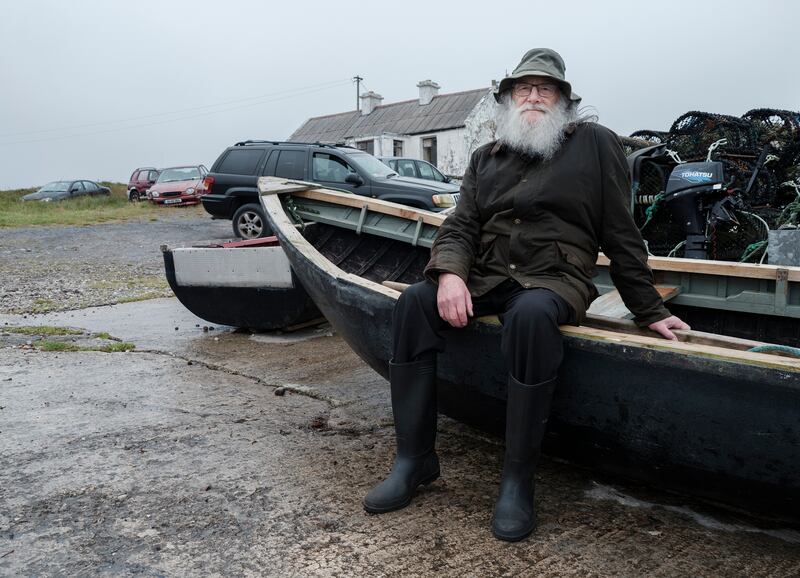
{"x":249,"y":222}
{"x":133,"y":196}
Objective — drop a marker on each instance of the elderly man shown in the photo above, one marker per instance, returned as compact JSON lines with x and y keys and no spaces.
{"x":536,"y":207}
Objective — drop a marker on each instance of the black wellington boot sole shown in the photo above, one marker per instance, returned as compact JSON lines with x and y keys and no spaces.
{"x":400,"y":505}
{"x":513,"y":537}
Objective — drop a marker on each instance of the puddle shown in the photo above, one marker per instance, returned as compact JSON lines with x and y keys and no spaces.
{"x":606,"y":493}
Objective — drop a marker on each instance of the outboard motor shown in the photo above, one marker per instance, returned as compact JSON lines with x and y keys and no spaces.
{"x":695,"y":196}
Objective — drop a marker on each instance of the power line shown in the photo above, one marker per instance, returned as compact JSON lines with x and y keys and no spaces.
{"x":322,"y":86}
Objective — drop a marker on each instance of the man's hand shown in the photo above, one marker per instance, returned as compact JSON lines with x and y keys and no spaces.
{"x":454,"y":300}
{"x":663,"y":327}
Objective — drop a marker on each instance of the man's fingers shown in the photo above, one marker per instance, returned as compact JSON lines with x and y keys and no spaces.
{"x":668,"y":334}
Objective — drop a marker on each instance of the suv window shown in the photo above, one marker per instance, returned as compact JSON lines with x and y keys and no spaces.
{"x":330,"y":168}
{"x":89,"y":186}
{"x":425,"y":171}
{"x":406,"y":168}
{"x":290,"y":164}
{"x":240,"y":162}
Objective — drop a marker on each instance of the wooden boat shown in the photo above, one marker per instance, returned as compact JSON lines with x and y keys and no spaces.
{"x":703,"y":415}
{"x":246,"y":284}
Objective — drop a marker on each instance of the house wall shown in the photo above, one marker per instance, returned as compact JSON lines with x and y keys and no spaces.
{"x":453,"y":147}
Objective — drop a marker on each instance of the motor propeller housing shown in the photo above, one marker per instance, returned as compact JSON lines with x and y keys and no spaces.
{"x":693,"y":190}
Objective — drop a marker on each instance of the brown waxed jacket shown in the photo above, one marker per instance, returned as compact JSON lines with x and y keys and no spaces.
{"x":542,"y":223}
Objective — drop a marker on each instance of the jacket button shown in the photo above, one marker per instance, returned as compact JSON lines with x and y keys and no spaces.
{"x":517,"y":221}
{"x":512,"y":266}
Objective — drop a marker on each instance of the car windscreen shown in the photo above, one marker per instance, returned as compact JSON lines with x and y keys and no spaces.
{"x":370,"y":164}
{"x":56,"y":187}
{"x":179,"y":174}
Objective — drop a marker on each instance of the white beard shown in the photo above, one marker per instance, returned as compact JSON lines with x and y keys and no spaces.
{"x":542,"y":136}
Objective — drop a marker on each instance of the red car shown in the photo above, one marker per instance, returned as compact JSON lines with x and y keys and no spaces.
{"x":178,"y":186}
{"x":142,"y":179}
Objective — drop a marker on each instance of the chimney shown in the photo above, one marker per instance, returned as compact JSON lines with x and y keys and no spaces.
{"x":369,"y":101}
{"x":427,"y":90}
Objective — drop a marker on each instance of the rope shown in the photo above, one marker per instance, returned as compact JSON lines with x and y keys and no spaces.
{"x":675,"y":249}
{"x":793,"y":351}
{"x":674,"y":156}
{"x":651,"y":211}
{"x":713,"y":146}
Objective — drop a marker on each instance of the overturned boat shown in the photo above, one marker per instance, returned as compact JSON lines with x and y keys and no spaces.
{"x":711,"y":415}
{"x":247,"y":284}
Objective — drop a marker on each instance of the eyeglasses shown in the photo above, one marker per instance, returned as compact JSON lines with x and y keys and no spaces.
{"x":545,"y":90}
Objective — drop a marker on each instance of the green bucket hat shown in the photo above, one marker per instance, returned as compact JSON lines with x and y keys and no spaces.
{"x":539,"y":62}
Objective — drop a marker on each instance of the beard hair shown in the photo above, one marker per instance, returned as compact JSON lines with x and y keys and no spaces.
{"x":541,"y":137}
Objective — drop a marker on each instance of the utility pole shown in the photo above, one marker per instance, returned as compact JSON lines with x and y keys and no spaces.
{"x":358,"y":80}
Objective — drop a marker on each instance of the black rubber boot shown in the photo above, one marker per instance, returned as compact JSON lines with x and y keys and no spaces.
{"x":526,"y":418}
{"x":413,"y":388}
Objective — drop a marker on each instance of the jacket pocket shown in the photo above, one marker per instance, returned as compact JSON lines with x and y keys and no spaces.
{"x":583,"y":263}
{"x":487,"y":240}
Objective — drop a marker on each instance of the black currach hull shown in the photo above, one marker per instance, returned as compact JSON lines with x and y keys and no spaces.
{"x":685,"y":417}
{"x":247,"y":287}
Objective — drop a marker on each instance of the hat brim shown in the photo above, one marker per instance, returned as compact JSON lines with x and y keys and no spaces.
{"x":508,"y":81}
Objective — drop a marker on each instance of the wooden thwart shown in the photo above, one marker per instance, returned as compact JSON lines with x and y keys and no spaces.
{"x":611,"y":305}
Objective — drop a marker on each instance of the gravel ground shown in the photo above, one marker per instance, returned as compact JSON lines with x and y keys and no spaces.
{"x":60,"y":268}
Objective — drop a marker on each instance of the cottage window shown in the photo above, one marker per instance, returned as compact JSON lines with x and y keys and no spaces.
{"x":397,"y":148}
{"x":429,"y":149}
{"x":368,"y":146}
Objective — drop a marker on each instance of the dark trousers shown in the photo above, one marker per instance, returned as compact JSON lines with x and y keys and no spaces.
{"x":531,"y":341}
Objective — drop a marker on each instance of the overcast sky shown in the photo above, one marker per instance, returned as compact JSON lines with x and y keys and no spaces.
{"x":93,"y":89}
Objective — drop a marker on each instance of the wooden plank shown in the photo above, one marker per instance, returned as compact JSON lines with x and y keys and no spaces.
{"x":611,"y":305}
{"x":275,"y":185}
{"x":396,"y":285}
{"x":376,"y":205}
{"x":714,"y":351}
{"x":710,"y":267}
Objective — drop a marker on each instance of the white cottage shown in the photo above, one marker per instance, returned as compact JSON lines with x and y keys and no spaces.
{"x":443,"y":129}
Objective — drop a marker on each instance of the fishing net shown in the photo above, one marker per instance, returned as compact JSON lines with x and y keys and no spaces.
{"x":632,"y":144}
{"x":694,"y":132}
{"x":653,"y":137}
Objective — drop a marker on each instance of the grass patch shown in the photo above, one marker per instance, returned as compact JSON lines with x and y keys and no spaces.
{"x":43,"y":306}
{"x":113,"y":348}
{"x":142,"y":281}
{"x":142,"y":297}
{"x":42,"y":330}
{"x":45,"y":345}
{"x":78,"y":211}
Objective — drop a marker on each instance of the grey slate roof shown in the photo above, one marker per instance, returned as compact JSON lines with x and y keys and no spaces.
{"x":445,"y":111}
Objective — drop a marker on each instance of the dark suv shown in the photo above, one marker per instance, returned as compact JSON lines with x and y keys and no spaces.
{"x":230,"y":188}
